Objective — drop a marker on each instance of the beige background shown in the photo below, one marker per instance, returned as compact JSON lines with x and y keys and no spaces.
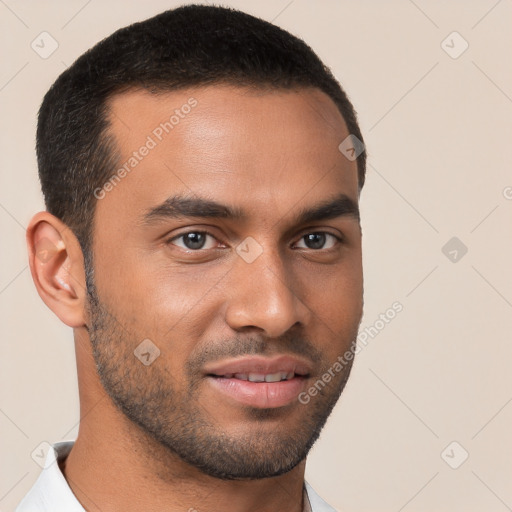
{"x":438,"y":136}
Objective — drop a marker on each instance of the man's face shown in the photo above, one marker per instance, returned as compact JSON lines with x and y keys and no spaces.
{"x":270,"y":293}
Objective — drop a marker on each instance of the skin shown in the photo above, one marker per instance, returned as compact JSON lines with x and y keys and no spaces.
{"x":271,"y":154}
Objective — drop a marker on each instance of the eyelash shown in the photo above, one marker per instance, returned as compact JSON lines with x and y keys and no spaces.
{"x":338,"y":239}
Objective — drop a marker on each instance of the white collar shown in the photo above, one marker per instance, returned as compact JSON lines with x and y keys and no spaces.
{"x":51,"y":492}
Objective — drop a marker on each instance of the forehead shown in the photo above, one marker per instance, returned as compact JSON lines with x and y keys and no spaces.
{"x":236,"y":145}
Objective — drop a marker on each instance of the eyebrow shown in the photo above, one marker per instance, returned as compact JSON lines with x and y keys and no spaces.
{"x":176,"y":207}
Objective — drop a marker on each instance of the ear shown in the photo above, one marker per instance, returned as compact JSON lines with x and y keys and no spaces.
{"x":57,"y":267}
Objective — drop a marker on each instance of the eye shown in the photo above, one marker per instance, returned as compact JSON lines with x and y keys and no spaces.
{"x":193,"y":240}
{"x":318,"y":239}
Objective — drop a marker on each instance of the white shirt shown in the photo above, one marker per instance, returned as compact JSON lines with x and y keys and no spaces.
{"x":51,"y":492}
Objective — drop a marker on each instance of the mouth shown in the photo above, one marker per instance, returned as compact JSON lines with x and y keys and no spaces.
{"x":260,"y":382}
{"x":258,"y":377}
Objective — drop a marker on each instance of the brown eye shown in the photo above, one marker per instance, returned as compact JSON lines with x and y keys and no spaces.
{"x":193,"y":240}
{"x":317,"y":240}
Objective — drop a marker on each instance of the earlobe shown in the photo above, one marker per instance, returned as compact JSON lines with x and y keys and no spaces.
{"x":56,"y":265}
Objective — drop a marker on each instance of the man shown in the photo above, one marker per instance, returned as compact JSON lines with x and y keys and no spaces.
{"x":201,"y":173}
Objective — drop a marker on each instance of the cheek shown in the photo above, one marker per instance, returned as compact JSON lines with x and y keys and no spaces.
{"x":335,"y":295}
{"x":172,"y":305}
{"x":346,"y":293}
{"x":168,"y":306}
{"x":334,"y":288}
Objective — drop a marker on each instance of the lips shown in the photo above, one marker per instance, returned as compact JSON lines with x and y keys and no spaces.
{"x":258,"y":381}
{"x":261,"y":377}
{"x":260,"y":366}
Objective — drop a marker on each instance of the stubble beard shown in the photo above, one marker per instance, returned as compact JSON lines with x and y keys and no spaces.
{"x":149,"y":397}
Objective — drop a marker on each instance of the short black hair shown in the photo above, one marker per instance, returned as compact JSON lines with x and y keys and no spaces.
{"x":189,"y":46}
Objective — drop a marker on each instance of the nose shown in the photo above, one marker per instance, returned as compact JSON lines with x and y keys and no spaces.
{"x":265,"y":295}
